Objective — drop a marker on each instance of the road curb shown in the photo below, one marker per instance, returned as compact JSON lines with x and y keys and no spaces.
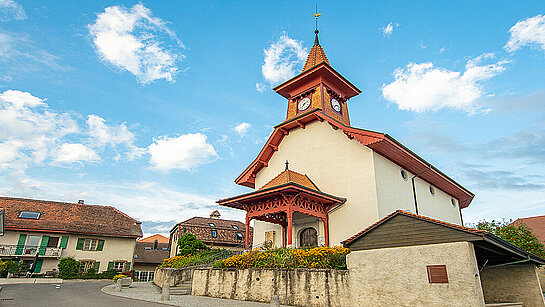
{"x":131,"y":298}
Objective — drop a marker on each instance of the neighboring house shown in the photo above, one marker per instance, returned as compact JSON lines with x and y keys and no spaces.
{"x":100,"y":237}
{"x":213,"y":231}
{"x":339,"y":179}
{"x":148,"y":254}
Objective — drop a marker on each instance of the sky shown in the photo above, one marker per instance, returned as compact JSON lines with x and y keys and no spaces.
{"x":155,"y":107}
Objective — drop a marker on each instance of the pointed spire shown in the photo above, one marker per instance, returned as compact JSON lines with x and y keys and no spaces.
{"x":316,"y":54}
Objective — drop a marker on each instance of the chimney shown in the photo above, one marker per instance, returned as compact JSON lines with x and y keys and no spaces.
{"x":81,"y":202}
{"x":215,"y":214}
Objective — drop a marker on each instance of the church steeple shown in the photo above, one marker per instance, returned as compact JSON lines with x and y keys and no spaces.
{"x":316,"y":55}
{"x":318,"y":86}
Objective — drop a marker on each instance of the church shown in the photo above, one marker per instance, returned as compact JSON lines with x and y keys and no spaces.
{"x":318,"y":180}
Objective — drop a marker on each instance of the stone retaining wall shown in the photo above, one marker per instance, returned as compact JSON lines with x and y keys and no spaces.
{"x":171,"y":276}
{"x":299,"y":287}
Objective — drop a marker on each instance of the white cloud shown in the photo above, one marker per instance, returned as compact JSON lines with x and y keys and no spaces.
{"x":242,"y":128}
{"x":388,"y":29}
{"x":32,"y":133}
{"x":423,"y":87}
{"x":11,"y":10}
{"x":104,"y":135}
{"x":75,"y":153}
{"x":128,"y":39}
{"x":29,"y":129}
{"x":19,"y":53}
{"x":184,"y":152}
{"x":282,"y":59}
{"x":527,"y":32}
{"x":260,"y":87}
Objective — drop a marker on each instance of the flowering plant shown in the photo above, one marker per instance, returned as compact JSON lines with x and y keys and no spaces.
{"x":318,"y":258}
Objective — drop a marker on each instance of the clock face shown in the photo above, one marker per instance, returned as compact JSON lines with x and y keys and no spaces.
{"x":304,"y":104}
{"x":335,"y":105}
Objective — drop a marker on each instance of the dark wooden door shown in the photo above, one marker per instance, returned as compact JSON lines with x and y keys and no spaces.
{"x":309,"y":237}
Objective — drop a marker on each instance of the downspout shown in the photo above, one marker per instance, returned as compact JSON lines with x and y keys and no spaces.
{"x":414,"y":189}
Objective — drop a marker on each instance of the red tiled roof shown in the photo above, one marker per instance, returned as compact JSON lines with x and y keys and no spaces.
{"x":226,"y":233}
{"x":63,"y":217}
{"x":288,"y":176}
{"x":158,"y":237}
{"x":536,"y":223}
{"x":150,"y":256}
{"x":381,"y":143}
{"x":420,"y":217}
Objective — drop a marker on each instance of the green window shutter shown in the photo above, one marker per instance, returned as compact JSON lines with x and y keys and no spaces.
{"x":100,"y":245}
{"x":110,"y":265}
{"x":20,"y":244}
{"x":79,"y":245}
{"x":97,"y":266}
{"x":127,"y":266}
{"x":64,"y":242}
{"x":43,"y":245}
{"x":38,"y":266}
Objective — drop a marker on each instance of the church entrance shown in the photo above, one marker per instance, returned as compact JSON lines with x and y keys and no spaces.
{"x":309,"y":237}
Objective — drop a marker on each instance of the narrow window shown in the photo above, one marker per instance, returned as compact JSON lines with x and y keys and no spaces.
{"x":214,"y":234}
{"x":432,"y":190}
{"x":453,"y":201}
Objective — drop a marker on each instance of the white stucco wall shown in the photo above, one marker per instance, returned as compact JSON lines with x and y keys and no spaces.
{"x":338,"y":166}
{"x":114,"y":249}
{"x":398,"y":276}
{"x":394,"y":193}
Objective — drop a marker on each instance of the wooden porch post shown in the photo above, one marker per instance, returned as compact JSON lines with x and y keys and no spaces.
{"x":290,"y":216}
{"x":247,"y":238}
{"x":284,"y":235}
{"x":326,"y":229}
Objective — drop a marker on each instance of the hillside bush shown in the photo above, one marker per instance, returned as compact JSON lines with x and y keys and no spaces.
{"x":187,"y":260}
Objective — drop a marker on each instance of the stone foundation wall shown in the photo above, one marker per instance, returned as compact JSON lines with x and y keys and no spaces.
{"x":171,"y":276}
{"x":299,"y":287}
{"x":515,"y":283}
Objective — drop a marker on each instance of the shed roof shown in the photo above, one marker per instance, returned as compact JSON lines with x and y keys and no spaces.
{"x":144,"y":252}
{"x":402,"y":228}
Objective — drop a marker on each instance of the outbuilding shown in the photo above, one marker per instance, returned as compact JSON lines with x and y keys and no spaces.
{"x":411,"y":260}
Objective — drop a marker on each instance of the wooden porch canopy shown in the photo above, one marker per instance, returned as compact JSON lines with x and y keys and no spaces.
{"x":277,"y":204}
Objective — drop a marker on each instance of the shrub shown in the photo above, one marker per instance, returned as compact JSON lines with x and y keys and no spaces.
{"x":520,"y":235}
{"x":90,"y":274}
{"x":118,"y":276}
{"x":318,"y":257}
{"x":68,"y":268}
{"x":9,"y":266}
{"x":109,"y":274}
{"x":189,"y":244}
{"x":187,"y":260}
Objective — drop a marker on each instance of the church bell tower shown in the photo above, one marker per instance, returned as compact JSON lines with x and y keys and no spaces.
{"x":318,"y":86}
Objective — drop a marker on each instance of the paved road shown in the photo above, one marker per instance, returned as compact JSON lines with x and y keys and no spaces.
{"x":77,"y":294}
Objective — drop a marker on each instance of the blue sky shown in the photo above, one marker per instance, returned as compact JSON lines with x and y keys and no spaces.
{"x":156,"y":107}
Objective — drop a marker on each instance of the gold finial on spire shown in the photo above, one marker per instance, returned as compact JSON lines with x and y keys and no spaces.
{"x":316,"y":15}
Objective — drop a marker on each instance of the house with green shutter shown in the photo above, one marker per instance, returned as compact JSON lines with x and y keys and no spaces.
{"x":100,"y":237}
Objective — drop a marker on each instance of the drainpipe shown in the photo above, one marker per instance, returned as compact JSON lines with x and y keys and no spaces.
{"x":414,"y":189}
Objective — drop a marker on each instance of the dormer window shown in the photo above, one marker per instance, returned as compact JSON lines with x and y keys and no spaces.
{"x":214,"y":234}
{"x":29,"y":215}
{"x":239,"y":236}
{"x":234,"y":226}
{"x":211,"y":225}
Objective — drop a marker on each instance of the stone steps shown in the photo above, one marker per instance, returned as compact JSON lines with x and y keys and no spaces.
{"x":182,"y":289}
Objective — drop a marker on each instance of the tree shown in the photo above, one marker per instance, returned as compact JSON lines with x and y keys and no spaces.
{"x":68,"y":268}
{"x":189,"y":244}
{"x":520,"y":235}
